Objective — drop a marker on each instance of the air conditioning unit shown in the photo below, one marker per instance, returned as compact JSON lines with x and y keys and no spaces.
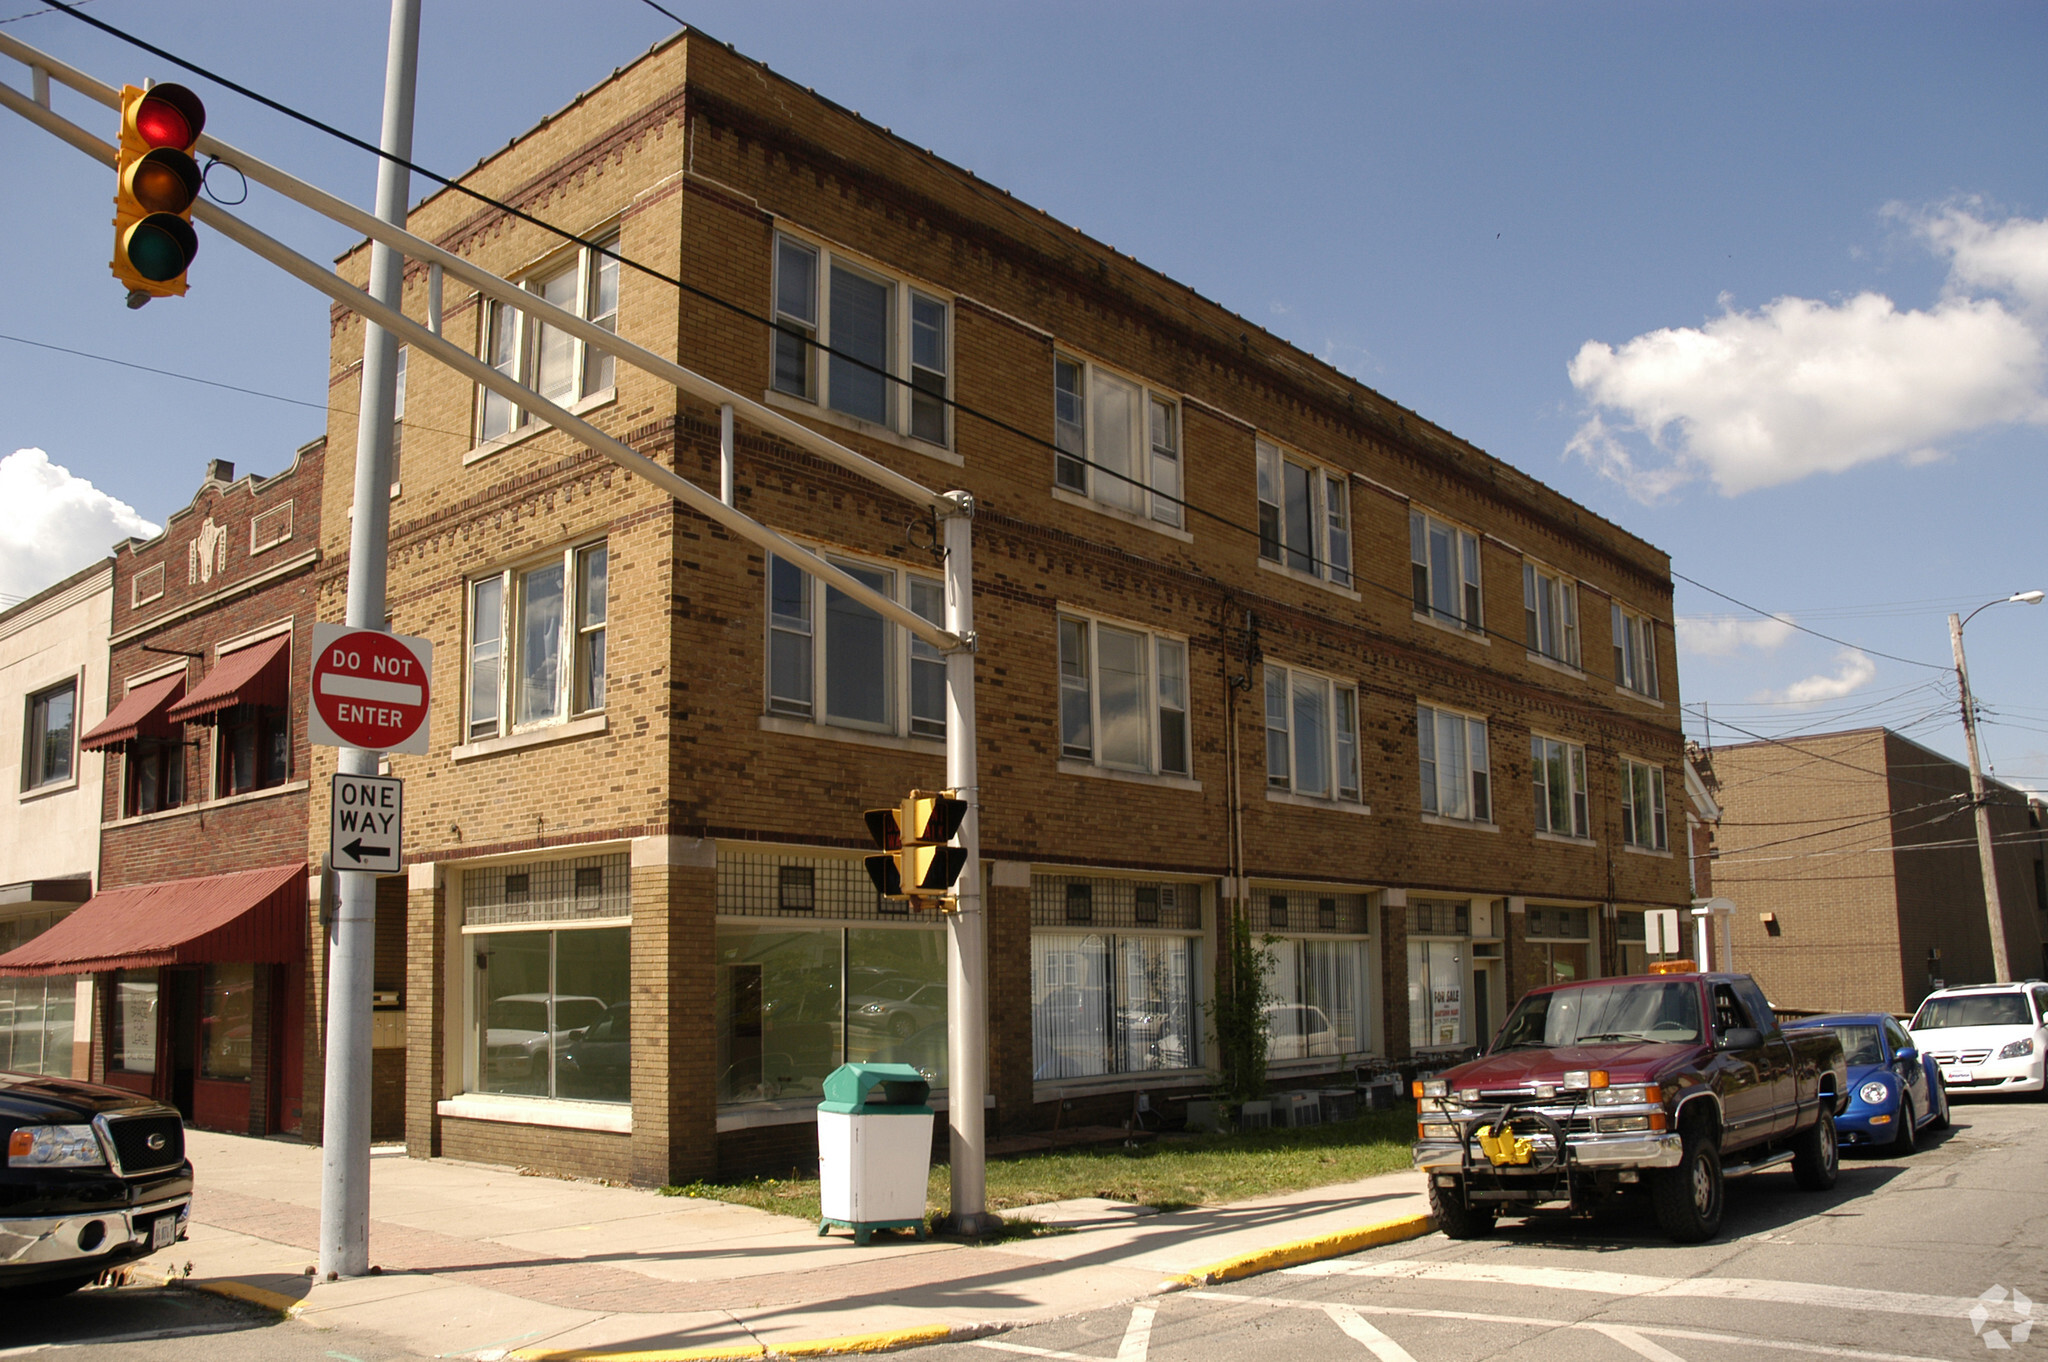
{"x":1295,"y":1109}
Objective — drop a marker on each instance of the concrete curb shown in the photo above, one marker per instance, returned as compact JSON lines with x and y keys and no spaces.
{"x":886,"y":1340}
{"x":1309,"y":1250}
{"x":287,"y":1307}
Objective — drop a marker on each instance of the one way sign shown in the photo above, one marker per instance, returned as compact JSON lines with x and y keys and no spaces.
{"x":369,"y":814}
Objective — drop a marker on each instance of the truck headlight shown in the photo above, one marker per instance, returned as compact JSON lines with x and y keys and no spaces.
{"x":1632,"y":1096}
{"x":1436,"y":1130}
{"x":1874,"y":1094}
{"x":55,"y":1147}
{"x":1624,"y":1123}
{"x":2017,"y":1048}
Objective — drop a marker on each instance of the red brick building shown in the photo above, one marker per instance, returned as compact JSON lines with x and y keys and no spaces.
{"x":1253,"y":640}
{"x":198,"y":931}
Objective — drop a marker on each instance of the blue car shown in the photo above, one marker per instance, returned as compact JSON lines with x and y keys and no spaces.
{"x":1895,"y":1091}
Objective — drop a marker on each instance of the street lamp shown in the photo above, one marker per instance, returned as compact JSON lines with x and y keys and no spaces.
{"x":2001,"y":968}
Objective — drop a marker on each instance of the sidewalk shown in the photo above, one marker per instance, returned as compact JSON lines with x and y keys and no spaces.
{"x":482,"y":1262}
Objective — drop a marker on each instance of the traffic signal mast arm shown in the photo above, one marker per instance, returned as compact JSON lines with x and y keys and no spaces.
{"x":428,"y":342}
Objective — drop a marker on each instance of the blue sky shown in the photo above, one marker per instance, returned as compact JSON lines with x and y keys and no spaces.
{"x":1767,"y":284}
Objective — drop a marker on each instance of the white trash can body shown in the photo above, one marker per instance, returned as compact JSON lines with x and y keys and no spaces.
{"x":873,"y":1167}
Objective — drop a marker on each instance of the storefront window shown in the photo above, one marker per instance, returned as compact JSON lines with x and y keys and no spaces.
{"x":36,"y":1024}
{"x":1320,"y":991}
{"x":1630,"y":955}
{"x":1560,"y":939}
{"x":134,"y":1021}
{"x":227,"y":1014}
{"x":550,"y":960}
{"x":1120,"y":1000}
{"x":1436,"y":994}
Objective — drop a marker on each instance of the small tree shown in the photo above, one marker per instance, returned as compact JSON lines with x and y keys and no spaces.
{"x":1239,"y":1013}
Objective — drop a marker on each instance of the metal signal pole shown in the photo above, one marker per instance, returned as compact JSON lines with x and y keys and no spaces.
{"x":345,"y":1128}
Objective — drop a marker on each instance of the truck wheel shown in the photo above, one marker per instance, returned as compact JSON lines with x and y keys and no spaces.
{"x":1688,"y":1198}
{"x":1815,"y":1159}
{"x":1457,"y":1217}
{"x":1904,"y":1142}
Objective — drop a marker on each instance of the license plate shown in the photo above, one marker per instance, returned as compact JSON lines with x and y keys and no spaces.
{"x":163,"y":1232}
{"x":1955,"y":1075}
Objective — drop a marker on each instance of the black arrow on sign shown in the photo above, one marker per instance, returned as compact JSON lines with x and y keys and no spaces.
{"x":355,"y":851}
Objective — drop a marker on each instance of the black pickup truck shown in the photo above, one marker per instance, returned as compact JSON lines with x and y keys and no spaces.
{"x":1666,"y":1085}
{"x":95,"y":1177}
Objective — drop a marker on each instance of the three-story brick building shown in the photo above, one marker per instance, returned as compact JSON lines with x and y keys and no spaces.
{"x":1252,"y":639}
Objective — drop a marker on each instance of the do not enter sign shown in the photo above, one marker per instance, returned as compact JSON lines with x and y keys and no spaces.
{"x":370,"y":689}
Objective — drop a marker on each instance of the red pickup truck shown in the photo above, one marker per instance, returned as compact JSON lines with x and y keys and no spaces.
{"x":1663,"y":1084}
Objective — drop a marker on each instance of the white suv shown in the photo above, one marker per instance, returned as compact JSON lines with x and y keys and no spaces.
{"x":1986,"y":1038}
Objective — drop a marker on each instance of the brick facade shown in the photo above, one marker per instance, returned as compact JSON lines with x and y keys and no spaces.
{"x":699,"y":158}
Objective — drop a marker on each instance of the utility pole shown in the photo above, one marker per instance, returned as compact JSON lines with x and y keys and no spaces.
{"x":345,"y":1134}
{"x":1994,"y":910}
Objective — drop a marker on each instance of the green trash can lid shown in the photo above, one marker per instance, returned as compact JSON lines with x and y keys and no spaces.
{"x":850,"y":1089}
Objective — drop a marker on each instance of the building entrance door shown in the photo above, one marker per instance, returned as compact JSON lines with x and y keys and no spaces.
{"x":180,"y":1043}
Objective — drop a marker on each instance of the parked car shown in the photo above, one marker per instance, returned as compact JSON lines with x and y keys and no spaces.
{"x":597,"y":1064}
{"x":517,"y":1037}
{"x":898,"y":1006}
{"x":1895,"y":1090}
{"x":1986,"y":1037}
{"x":95,"y":1177}
{"x":1298,"y":1030}
{"x":1666,"y":1085}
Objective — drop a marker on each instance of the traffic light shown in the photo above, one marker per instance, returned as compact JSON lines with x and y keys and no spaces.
{"x":158,"y":182}
{"x":915,"y":863}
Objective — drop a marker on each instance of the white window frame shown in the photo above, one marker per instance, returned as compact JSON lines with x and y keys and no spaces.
{"x":1085,"y":687}
{"x":1471,"y":781}
{"x":1340,"y":751}
{"x":1572,"y":757}
{"x":1635,"y":651}
{"x":1466,"y":572}
{"x":578,"y":691}
{"x":903,"y":652}
{"x":909,"y":360}
{"x":593,"y":373}
{"x":1327,"y":554}
{"x":1651,"y":784}
{"x":1550,"y":614}
{"x":1156,"y":459}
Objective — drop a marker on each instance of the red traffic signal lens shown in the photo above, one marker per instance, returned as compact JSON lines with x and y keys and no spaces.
{"x":160,"y":247}
{"x":169,"y":116}
{"x":164,"y":181}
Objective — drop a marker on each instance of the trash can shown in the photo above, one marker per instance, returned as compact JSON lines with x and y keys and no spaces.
{"x":874,"y":1149}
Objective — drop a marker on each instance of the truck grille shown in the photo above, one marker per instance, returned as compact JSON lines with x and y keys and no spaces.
{"x":1960,"y":1056}
{"x":145,"y":1144}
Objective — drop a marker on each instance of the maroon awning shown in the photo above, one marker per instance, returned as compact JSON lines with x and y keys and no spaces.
{"x":252,"y":915}
{"x":255,"y":675}
{"x":139,"y":715}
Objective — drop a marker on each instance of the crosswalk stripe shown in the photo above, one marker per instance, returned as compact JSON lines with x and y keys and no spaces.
{"x":1633,"y":1340}
{"x":1356,"y":1325}
{"x":1749,"y":1290}
{"x":1137,"y":1334}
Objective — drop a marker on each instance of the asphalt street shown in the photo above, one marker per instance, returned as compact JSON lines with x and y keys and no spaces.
{"x":148,"y":1323}
{"x":1889,"y":1265}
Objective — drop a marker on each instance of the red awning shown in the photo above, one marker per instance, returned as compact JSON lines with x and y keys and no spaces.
{"x":140,"y":715}
{"x":256,"y":675}
{"x":252,"y":915}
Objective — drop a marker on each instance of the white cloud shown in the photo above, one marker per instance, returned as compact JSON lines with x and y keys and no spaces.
{"x":55,"y":523}
{"x":1853,"y":672}
{"x":1755,"y":399}
{"x":1720,"y":636}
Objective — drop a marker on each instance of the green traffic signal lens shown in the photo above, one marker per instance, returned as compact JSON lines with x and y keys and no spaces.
{"x":160,"y":247}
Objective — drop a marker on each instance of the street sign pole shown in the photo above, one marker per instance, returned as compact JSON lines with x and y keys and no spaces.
{"x":345,"y":1125}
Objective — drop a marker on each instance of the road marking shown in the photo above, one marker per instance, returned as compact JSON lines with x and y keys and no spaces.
{"x":1137,"y":1334}
{"x":1633,"y":1340}
{"x":1528,"y":1321}
{"x":1749,"y":1290}
{"x":1030,"y":1351}
{"x":1355,"y":1324}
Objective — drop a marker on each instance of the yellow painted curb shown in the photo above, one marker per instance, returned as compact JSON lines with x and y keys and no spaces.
{"x":884,"y":1341}
{"x":1310,"y":1250}
{"x":287,"y":1306}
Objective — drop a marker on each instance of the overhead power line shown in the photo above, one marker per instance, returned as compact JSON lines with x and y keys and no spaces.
{"x":1794,"y":624}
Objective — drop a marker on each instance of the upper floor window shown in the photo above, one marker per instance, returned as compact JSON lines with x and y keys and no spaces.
{"x":153,"y":775}
{"x":1455,"y":779}
{"x":1642,"y":805}
{"x":1311,"y":734}
{"x":1550,"y":612}
{"x":398,"y":412}
{"x":252,"y":748}
{"x":52,"y":727}
{"x":1304,"y":516}
{"x":832,"y":660}
{"x":1560,"y":781}
{"x":548,"y":360}
{"x":1118,"y":441}
{"x":1444,"y":565}
{"x":875,"y":329}
{"x":537,"y":642}
{"x":1635,"y":651}
{"x":1123,"y":697}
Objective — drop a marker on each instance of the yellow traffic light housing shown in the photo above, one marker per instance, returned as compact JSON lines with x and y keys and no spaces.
{"x":915,"y":862}
{"x":158,"y":182}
